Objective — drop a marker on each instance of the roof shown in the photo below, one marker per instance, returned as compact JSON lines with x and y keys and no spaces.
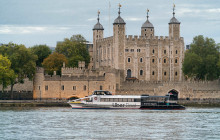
{"x":98,"y":26}
{"x":174,"y":21}
{"x":119,"y":20}
{"x":147,"y":24}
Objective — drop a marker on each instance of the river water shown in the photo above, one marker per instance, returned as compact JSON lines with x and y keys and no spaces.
{"x":67,"y":123}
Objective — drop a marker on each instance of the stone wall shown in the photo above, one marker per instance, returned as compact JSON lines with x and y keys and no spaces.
{"x":186,"y":90}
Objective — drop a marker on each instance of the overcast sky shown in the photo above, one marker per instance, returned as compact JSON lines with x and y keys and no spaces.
{"x":33,"y":22}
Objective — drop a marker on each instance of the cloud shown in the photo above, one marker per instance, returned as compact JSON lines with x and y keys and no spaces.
{"x":15,"y":29}
{"x":134,"y":19}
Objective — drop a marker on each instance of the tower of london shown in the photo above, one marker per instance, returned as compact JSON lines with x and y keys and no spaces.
{"x":122,"y":64}
{"x":145,"y":57}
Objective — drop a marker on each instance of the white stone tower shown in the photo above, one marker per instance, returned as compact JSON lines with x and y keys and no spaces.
{"x":119,"y":42}
{"x":98,"y":33}
{"x":174,"y":26}
{"x":147,"y":28}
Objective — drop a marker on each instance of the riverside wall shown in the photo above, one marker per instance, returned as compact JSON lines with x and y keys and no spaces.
{"x":186,"y":89}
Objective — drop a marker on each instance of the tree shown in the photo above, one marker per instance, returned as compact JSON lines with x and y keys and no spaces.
{"x":42,"y":51}
{"x":74,"y":49}
{"x":23,"y":62}
{"x":201,"y":59}
{"x":6,"y":73}
{"x":54,"y":62}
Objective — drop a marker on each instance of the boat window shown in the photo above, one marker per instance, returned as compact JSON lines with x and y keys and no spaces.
{"x":124,"y":100}
{"x":111,"y":100}
{"x":130,"y":99}
{"x":116,"y":100}
{"x":137,"y":100}
{"x":120,"y":100}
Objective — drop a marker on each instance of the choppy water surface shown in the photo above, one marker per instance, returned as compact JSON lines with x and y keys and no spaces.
{"x":66,"y":123}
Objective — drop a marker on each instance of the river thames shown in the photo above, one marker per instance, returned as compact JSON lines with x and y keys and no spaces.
{"x":67,"y":123}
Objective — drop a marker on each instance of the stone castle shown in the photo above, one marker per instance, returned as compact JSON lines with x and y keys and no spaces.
{"x":145,"y":64}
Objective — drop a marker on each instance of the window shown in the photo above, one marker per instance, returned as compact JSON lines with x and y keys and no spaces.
{"x":164,"y":60}
{"x":175,"y":60}
{"x":39,"y":87}
{"x":46,"y":87}
{"x":153,"y":51}
{"x":132,"y":50}
{"x":152,"y":60}
{"x":138,"y":50}
{"x":126,"y":50}
{"x":62,"y":87}
{"x":84,"y":87}
{"x":141,"y":60}
{"x":165,"y":51}
{"x":165,"y":73}
{"x":100,"y":87}
{"x":153,"y":73}
{"x":151,"y":29}
{"x":141,"y":72}
{"x":129,"y":59}
{"x":176,"y":51}
{"x":176,"y":73}
{"x":74,"y":87}
{"x":145,"y":34}
{"x":145,"y":30}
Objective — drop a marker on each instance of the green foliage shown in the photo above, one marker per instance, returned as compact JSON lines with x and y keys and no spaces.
{"x":202,"y":59}
{"x":74,"y":49}
{"x":42,"y":51}
{"x":54,"y":62}
{"x":6,"y":73}
{"x":23,"y":61}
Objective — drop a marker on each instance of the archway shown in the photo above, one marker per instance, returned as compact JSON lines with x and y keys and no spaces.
{"x":173,"y":94}
{"x":128,"y":73}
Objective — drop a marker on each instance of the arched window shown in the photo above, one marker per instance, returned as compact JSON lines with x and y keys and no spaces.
{"x":129,"y":59}
{"x":164,"y":60}
{"x":153,"y":51}
{"x":152,"y":60}
{"x":165,"y":51}
{"x":128,"y":73}
{"x":141,"y":60}
{"x":153,"y":73}
{"x":176,"y":73}
{"x":175,"y":60}
{"x":176,"y":51}
{"x":141,"y":72}
{"x":165,"y":73}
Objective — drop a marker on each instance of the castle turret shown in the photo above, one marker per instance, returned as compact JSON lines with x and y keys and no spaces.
{"x":97,"y":34}
{"x":147,"y":28}
{"x":119,"y":41}
{"x":174,"y":26}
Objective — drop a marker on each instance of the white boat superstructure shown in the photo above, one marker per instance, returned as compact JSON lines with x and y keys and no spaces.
{"x":105,"y":100}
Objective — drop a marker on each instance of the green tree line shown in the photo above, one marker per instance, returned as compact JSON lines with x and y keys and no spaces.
{"x":202,"y":60}
{"x":18,"y":62}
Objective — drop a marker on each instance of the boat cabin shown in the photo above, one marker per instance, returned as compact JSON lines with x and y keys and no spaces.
{"x":101,"y":92}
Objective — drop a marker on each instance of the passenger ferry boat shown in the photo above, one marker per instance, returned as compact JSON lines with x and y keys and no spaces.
{"x":105,"y":100}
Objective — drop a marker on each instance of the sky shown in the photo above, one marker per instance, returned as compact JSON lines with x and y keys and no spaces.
{"x":35,"y":22}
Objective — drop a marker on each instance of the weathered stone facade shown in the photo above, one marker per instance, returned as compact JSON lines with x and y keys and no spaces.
{"x":146,"y":57}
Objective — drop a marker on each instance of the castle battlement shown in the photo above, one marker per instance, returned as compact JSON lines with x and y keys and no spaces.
{"x":108,"y":39}
{"x":73,"y":78}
